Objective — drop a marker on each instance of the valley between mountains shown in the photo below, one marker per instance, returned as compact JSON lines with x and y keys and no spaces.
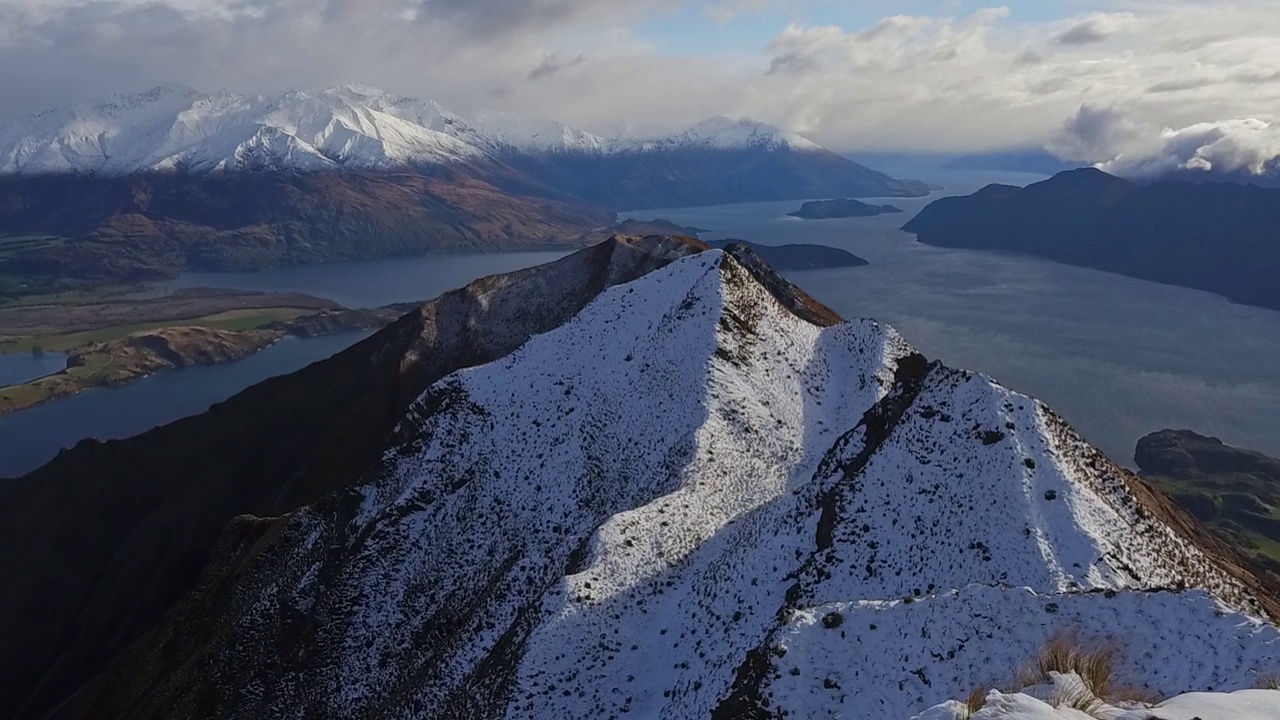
{"x":652,"y":479}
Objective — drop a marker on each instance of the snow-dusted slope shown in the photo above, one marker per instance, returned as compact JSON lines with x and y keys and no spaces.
{"x":352,"y":126}
{"x":349,"y":126}
{"x":532,"y":134}
{"x":722,"y":133}
{"x":699,"y":498}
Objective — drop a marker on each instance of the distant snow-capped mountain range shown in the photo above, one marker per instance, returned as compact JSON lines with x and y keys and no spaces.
{"x":353,"y":126}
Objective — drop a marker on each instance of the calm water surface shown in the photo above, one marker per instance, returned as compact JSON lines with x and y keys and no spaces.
{"x":18,"y":368}
{"x":32,"y":437}
{"x":371,"y":283}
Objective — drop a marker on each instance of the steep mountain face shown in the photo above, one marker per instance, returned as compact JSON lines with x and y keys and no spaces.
{"x":1217,"y":237}
{"x":99,"y":543}
{"x":720,"y":160}
{"x":700,"y":495}
{"x":534,"y":135}
{"x":1234,"y":491}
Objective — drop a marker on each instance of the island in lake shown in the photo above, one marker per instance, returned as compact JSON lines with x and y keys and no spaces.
{"x":797,"y":257}
{"x":832,"y":209}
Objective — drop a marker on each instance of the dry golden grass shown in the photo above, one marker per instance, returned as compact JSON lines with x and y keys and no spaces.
{"x":1066,"y":652}
{"x":977,"y":699}
{"x":1094,"y":660}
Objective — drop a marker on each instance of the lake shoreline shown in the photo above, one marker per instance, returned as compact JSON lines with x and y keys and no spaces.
{"x":142,"y":354}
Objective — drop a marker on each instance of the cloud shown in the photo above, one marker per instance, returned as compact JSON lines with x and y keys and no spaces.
{"x":723,"y":11}
{"x":1173,"y":86}
{"x":974,"y":82}
{"x":1098,"y":133}
{"x":986,"y":81}
{"x":1094,"y":29}
{"x":552,"y":65}
{"x":1117,"y":143}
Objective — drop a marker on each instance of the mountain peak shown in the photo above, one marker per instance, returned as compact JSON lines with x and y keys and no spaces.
{"x":701,"y":495}
{"x":723,"y":132}
{"x":352,"y":125}
{"x":355,"y":90}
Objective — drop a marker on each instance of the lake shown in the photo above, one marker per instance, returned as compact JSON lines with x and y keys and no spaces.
{"x":371,"y":283}
{"x":16,"y":368}
{"x":30,"y":438}
{"x":1118,"y":357}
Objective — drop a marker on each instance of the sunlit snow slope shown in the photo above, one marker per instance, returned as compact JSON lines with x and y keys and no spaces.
{"x":700,"y":497}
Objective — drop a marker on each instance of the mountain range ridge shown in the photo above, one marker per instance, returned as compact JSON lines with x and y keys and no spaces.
{"x":149,"y":185}
{"x":175,"y":128}
{"x":650,"y":479}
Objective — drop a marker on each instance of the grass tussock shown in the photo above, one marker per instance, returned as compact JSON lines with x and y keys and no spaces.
{"x":1266,"y":681}
{"x":1094,"y":660}
{"x":1066,"y":652}
{"x":977,"y":699}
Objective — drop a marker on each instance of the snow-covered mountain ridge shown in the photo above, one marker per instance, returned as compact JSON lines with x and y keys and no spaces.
{"x":703,"y":495}
{"x":352,"y":126}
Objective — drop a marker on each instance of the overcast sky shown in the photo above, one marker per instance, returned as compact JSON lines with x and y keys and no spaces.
{"x":1092,"y":78}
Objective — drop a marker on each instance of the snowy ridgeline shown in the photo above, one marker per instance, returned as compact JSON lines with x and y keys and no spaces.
{"x":687,"y":500}
{"x":353,"y":126}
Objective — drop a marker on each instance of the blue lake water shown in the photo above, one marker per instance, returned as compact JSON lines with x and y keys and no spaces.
{"x":370,"y":283}
{"x":1118,"y":357}
{"x":18,"y":368}
{"x":32,"y":437}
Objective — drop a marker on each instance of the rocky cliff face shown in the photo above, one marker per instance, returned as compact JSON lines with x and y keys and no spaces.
{"x":698,"y":493}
